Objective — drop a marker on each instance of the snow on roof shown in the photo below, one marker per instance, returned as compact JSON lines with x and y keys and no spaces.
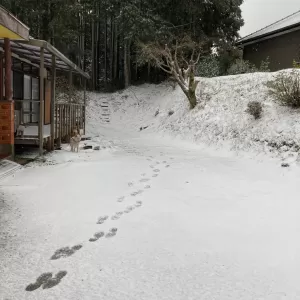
{"x":286,"y":22}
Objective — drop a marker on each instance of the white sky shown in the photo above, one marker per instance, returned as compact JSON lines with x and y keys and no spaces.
{"x":260,"y":13}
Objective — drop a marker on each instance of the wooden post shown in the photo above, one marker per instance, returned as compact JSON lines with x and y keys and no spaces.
{"x":70,"y":102}
{"x":1,"y":77}
{"x":8,"y":64}
{"x":42,"y":103}
{"x":63,"y":134}
{"x":61,"y":115}
{"x":84,"y":103}
{"x":10,"y":139}
{"x":53,"y":83}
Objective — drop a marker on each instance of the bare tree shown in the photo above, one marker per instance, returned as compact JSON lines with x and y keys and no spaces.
{"x":178,"y":60}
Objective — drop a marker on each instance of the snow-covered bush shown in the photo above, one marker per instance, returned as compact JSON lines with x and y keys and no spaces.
{"x":285,"y":88}
{"x":208,"y":66}
{"x":255,"y":109}
{"x":241,"y":66}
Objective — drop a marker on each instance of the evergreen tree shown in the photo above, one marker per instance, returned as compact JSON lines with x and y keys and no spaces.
{"x":101,"y":35}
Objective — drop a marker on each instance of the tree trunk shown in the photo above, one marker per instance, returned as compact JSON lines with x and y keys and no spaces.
{"x":192,"y":99}
{"x":111,"y":49}
{"x":126,"y":71}
{"x":192,"y":88}
{"x":149,"y":70}
{"x":93,"y":55}
{"x":116,"y":61}
{"x":105,"y":50}
{"x":129,"y":61}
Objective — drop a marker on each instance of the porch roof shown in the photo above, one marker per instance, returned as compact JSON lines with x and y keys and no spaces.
{"x":11,"y":27}
{"x":29,"y":51}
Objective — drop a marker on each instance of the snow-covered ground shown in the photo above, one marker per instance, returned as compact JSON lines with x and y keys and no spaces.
{"x":220,"y":121}
{"x":147,"y":217}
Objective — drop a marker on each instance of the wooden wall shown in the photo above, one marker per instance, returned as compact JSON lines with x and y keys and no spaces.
{"x":281,"y":50}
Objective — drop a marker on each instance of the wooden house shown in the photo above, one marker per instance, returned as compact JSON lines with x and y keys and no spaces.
{"x":280,"y":42}
{"x":27,"y":90}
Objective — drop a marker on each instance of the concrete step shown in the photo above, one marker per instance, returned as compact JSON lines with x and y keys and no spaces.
{"x":8,"y":168}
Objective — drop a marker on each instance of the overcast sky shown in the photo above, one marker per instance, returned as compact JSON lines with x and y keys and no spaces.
{"x":260,"y":13}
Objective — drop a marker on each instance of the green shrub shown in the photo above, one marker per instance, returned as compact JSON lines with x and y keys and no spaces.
{"x":255,"y":109}
{"x":285,"y":89}
{"x":208,"y":66}
{"x":241,"y":66}
{"x":296,"y":64}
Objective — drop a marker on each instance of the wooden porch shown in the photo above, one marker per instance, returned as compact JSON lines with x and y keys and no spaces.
{"x":67,"y":117}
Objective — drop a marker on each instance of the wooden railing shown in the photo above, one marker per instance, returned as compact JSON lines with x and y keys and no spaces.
{"x":67,"y":118}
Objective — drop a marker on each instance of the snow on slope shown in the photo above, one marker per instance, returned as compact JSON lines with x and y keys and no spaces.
{"x":220,"y":120}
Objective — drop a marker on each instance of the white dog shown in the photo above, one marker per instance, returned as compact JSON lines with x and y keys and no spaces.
{"x":74,"y":142}
{"x":20,"y":130}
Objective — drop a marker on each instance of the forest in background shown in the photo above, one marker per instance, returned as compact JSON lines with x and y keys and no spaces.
{"x":102,"y":36}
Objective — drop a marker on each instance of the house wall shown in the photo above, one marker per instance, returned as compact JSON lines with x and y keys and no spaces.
{"x":281,"y":50}
{"x":6,"y":128}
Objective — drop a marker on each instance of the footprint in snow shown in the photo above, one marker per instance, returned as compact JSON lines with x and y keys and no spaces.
{"x":144,"y":180}
{"x":130,"y":184}
{"x":65,"y":252}
{"x":47,"y":281}
{"x":121,"y":199}
{"x":102,"y":219}
{"x":129,"y":209}
{"x":117,"y":216}
{"x":167,"y":166}
{"x":112,"y":232}
{"x":97,"y":236}
{"x":147,"y":187}
{"x":136,"y":193}
{"x":155,"y":175}
{"x":156,"y":170}
{"x":138,"y":204}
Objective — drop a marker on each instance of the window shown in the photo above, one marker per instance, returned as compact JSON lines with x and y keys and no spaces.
{"x":18,"y":82}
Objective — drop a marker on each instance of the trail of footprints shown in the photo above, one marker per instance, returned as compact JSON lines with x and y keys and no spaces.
{"x":47,"y":280}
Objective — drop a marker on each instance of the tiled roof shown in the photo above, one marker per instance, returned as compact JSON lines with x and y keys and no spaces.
{"x":291,"y":20}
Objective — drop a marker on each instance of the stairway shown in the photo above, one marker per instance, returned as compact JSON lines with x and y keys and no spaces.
{"x":105,"y":112}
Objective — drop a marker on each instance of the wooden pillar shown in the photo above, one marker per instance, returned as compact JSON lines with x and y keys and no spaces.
{"x":70,"y":103}
{"x":42,"y":103}
{"x":8,"y":64}
{"x":53,"y":83}
{"x":1,"y":78}
{"x":84,"y":103}
{"x":7,"y":111}
{"x":70,"y":84}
